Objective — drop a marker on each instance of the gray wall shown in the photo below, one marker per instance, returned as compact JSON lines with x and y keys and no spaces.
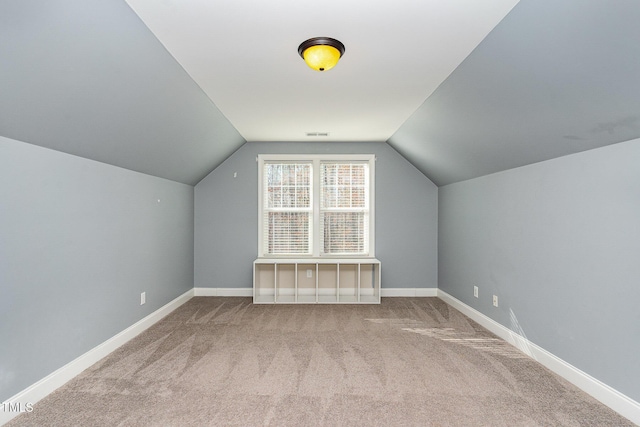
{"x":80,"y":240}
{"x":559,"y":243}
{"x":226,"y":216}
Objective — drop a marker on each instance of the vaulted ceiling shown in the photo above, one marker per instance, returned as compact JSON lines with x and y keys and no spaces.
{"x":461,"y":88}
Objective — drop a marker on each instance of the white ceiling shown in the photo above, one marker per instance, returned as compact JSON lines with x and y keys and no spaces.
{"x":243,"y":54}
{"x":461,"y":92}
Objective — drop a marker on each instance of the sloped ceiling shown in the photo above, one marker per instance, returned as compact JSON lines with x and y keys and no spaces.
{"x":552,"y":79}
{"x":86,"y":77}
{"x":458,"y":98}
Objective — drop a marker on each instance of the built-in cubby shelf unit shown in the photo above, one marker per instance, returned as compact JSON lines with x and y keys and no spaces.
{"x":316,"y":281}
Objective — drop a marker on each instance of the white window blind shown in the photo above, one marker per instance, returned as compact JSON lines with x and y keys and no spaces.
{"x":316,"y":205}
{"x":287,"y":208}
{"x":344,"y":208}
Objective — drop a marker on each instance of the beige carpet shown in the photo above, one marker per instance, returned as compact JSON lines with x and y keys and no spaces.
{"x":406,"y":362}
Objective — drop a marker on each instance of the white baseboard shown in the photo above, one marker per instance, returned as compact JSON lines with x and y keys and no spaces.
{"x":615,"y":400}
{"x":223,"y":292}
{"x":61,"y":376}
{"x":409,"y":292}
{"x":248,"y":292}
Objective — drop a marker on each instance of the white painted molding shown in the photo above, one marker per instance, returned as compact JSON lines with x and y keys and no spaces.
{"x":409,"y":292}
{"x":223,"y":292}
{"x":61,"y":376}
{"x":248,"y":292}
{"x":615,"y":400}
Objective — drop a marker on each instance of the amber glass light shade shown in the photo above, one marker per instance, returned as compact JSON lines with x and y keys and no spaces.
{"x":321,"y":53}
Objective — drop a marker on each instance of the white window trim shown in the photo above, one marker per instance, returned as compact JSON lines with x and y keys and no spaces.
{"x":315,"y":159}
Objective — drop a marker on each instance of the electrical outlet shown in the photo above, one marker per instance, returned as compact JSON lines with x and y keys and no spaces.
{"x":309,"y":274}
{"x":495,"y":300}
{"x":475,"y":291}
{"x":143,"y":298}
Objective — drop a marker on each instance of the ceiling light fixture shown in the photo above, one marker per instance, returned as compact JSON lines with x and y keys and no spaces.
{"x":321,"y":53}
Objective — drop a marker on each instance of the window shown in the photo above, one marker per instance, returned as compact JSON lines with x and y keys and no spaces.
{"x":314,"y":206}
{"x":287,"y":208}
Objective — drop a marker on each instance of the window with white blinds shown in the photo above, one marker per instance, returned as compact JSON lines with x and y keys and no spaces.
{"x":344,"y":207}
{"x":316,"y":205}
{"x":287,"y":212}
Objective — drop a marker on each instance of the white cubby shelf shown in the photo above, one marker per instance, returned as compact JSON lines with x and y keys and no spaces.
{"x":316,"y":281}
